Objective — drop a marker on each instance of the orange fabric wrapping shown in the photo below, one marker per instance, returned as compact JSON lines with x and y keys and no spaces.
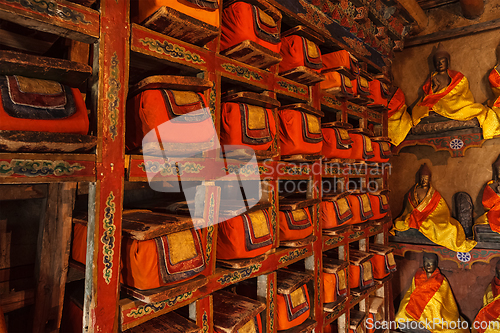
{"x":231,"y":243}
{"x":494,"y":79}
{"x":354,"y":276}
{"x":360,"y":213}
{"x":376,"y":93}
{"x":431,"y":98}
{"x":78,"y":123}
{"x":139,"y":260}
{"x":294,"y":52}
{"x":335,"y":79}
{"x":146,"y":111}
{"x":281,"y":311}
{"x":331,"y":146}
{"x":329,"y":216}
{"x":293,"y":127}
{"x":378,"y":264}
{"x":290,"y":234}
{"x":396,"y":103}
{"x":145,"y":8}
{"x":72,"y":320}
{"x":491,"y":203}
{"x":328,"y":329}
{"x":495,"y":286}
{"x":79,"y":245}
{"x":329,"y":287}
{"x":378,"y":213}
{"x":425,"y":288}
{"x":490,"y":311}
{"x":370,"y":317}
{"x":338,"y":59}
{"x":377,"y":151}
{"x":232,"y":127}
{"x":417,"y":217}
{"x":238,"y":25}
{"x":362,"y":148}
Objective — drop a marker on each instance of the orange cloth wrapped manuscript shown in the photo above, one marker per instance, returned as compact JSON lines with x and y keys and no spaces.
{"x":242,"y":21}
{"x":300,"y":132}
{"x":337,"y":143}
{"x":292,"y":309}
{"x":299,"y":51}
{"x":295,"y":224}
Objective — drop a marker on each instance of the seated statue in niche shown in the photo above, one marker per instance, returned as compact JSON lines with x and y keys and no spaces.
{"x":429,"y":298}
{"x":488,"y":318}
{"x":447,"y":93}
{"x":426,"y":211}
{"x":491,"y":200}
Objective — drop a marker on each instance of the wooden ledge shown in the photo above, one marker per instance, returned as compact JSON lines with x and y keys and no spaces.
{"x":251,"y":53}
{"x":307,"y":326}
{"x":167,"y":323}
{"x":332,"y":265}
{"x":164,"y":293}
{"x":289,"y":281}
{"x":242,"y":263}
{"x":303,"y":75}
{"x":331,"y":307}
{"x":341,"y":70}
{"x":170,"y":82}
{"x":63,"y":71}
{"x":45,"y":142}
{"x":306,"y":32}
{"x":338,"y":124}
{"x":337,"y":230}
{"x":252,"y":98}
{"x":299,"y":242}
{"x":232,"y":311}
{"x":302,"y":107}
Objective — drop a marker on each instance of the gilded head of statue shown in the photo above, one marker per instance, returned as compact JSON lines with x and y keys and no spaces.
{"x":441,"y":59}
{"x":430,"y":263}
{"x":424,"y":176}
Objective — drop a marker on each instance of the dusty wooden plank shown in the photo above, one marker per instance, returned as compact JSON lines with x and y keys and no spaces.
{"x":63,"y":71}
{"x":299,"y":242}
{"x":61,"y":18}
{"x":36,"y":142}
{"x":306,"y":327}
{"x":251,"y":53}
{"x":252,"y":98}
{"x":164,"y":293}
{"x":302,"y":107}
{"x":453,"y":33}
{"x":303,"y":75}
{"x":52,"y":258}
{"x":170,"y":82}
{"x":167,"y":323}
{"x":17,"y":300}
{"x":22,"y":192}
{"x":232,"y":311}
{"x":289,"y":280}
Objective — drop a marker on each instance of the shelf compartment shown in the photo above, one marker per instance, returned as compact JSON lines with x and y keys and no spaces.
{"x":62,"y":18}
{"x":44,"y":168}
{"x":63,"y":71}
{"x":45,"y":142}
{"x":232,"y":312}
{"x":167,"y":49}
{"x":307,"y":326}
{"x":331,"y":102}
{"x":287,"y":87}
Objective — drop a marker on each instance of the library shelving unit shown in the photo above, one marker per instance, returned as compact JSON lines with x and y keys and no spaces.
{"x":121,"y":55}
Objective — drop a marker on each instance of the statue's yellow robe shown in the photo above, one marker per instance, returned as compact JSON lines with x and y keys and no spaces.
{"x":457,"y":102}
{"x":399,"y":122}
{"x":432,"y":218}
{"x":430,"y":301}
{"x":488,"y":318}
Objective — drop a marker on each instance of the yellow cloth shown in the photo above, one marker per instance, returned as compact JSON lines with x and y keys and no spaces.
{"x":488,"y":298}
{"x":458,"y":103}
{"x":399,"y":123}
{"x":432,"y":218}
{"x":441,"y":306}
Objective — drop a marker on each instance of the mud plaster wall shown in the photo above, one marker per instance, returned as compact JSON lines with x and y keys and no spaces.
{"x":474,"y":56}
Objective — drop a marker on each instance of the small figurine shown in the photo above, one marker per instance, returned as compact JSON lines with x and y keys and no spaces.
{"x":430,"y":298}
{"x":490,"y":312}
{"x":447,"y":93}
{"x":426,"y":211}
{"x":491,"y":200}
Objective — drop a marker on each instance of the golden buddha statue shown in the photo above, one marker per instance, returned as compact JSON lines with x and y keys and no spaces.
{"x":426,"y":211}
